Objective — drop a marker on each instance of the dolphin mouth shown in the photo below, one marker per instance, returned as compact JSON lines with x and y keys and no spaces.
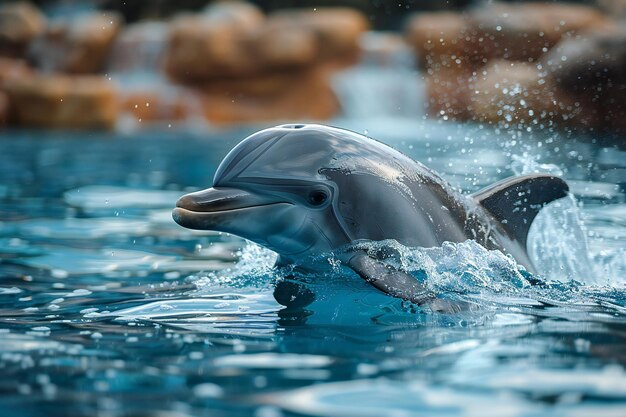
{"x":214,"y":200}
{"x":207,"y":209}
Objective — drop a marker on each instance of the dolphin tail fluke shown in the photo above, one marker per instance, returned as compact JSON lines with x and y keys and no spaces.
{"x":515,"y":202}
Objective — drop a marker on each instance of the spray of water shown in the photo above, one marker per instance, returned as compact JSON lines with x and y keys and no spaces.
{"x":254,"y":268}
{"x":558,"y":240}
{"x":454,"y":267}
{"x":464,"y":271}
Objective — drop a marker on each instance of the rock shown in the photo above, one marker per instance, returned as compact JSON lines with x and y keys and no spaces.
{"x":268,"y":84}
{"x":12,"y":69}
{"x":86,"y":102}
{"x":201,"y":49}
{"x":79,"y":45}
{"x":154,"y":106}
{"x":448,"y":94}
{"x":439,"y":39}
{"x":236,"y":13}
{"x":517,"y":93}
{"x":587,"y":65}
{"x":615,"y":8}
{"x":20,"y":23}
{"x":301,"y":95}
{"x":280,"y":45}
{"x":592,"y":69}
{"x":337,"y":30}
{"x":264,"y":69}
{"x":525,"y":31}
{"x":521,"y":32}
{"x":5,"y":110}
{"x":213,"y":44}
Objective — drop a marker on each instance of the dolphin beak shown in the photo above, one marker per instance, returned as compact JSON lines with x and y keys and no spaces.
{"x":218,"y":209}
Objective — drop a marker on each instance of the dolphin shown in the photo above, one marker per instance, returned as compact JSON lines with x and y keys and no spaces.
{"x":307,"y":189}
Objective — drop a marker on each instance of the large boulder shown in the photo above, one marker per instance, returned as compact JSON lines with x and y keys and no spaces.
{"x":268,"y":84}
{"x":279,"y":44}
{"x":592,"y":69}
{"x":238,"y":13}
{"x":78,"y":45}
{"x":296,"y":95}
{"x":86,"y":102}
{"x":20,"y":23}
{"x":5,"y":109}
{"x":526,"y":31}
{"x":200,"y":50}
{"x":438,"y":39}
{"x":156,"y":105}
{"x":11,"y":71}
{"x":213,"y":44}
{"x":504,"y":93}
{"x":591,"y":64}
{"x":242,"y":43}
{"x":337,"y":30}
{"x":518,"y":32}
{"x":616,"y":8}
{"x":448,"y":94}
{"x":519,"y":94}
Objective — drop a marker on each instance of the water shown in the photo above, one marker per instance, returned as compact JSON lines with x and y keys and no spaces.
{"x":108,"y":308}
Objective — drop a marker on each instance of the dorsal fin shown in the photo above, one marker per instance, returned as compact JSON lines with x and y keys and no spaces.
{"x":515,"y":202}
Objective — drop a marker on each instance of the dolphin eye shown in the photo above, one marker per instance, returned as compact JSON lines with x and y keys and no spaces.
{"x":317,"y":197}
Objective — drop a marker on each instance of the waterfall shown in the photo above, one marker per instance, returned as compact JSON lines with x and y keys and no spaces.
{"x":385,"y":84}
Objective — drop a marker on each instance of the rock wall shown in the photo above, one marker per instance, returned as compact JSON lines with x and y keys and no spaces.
{"x":519,"y":64}
{"x":248,"y":67}
{"x":228,"y":64}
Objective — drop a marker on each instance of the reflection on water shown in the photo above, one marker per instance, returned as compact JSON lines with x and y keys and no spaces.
{"x":109,"y":308}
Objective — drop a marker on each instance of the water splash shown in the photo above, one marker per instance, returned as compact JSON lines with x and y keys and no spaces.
{"x":222,"y":303}
{"x":461,"y":268}
{"x":557,"y":242}
{"x":528,"y":163}
{"x":463,"y":271}
{"x":254,"y":268}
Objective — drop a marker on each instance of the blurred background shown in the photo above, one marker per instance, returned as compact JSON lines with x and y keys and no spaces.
{"x":128,"y":65}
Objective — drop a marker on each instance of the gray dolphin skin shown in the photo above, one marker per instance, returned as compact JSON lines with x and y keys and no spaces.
{"x":302,"y":190}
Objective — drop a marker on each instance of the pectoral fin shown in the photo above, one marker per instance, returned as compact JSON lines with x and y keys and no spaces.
{"x":402,"y":285}
{"x":390,"y":280}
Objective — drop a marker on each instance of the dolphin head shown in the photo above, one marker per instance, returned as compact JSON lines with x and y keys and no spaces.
{"x":271,"y":189}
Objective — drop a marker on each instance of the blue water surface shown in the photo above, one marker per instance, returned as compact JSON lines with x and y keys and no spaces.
{"x":108,"y":308}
